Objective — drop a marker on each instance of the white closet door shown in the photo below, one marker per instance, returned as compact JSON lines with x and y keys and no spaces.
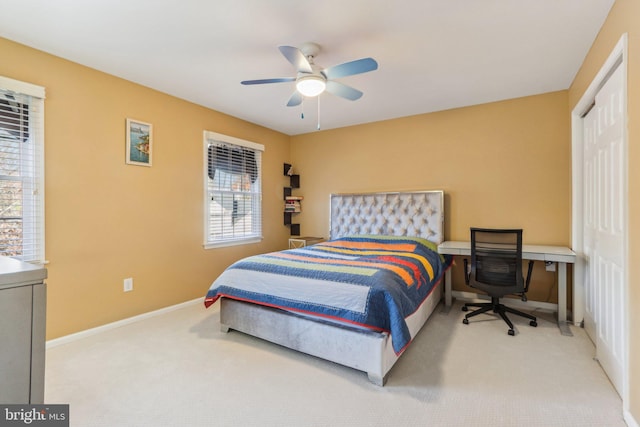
{"x":604,"y":170}
{"x":589,"y":123}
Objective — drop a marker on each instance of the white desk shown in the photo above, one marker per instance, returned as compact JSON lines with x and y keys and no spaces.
{"x":558,"y":254}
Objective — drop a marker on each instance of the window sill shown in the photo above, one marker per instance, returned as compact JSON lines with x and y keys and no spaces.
{"x":226,"y":243}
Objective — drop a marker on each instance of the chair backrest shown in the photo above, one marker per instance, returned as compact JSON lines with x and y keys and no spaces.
{"x":496,"y":261}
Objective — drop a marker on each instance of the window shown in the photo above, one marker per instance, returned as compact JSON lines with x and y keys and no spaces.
{"x":21,"y":170}
{"x":233,"y":193}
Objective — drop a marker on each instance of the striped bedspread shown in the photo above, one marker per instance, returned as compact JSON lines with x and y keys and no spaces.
{"x":371,"y":281}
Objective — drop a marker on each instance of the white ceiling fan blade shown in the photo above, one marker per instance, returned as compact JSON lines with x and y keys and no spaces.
{"x":297,"y":58}
{"x":343,"y":91}
{"x":263,"y":81}
{"x":296,"y":99}
{"x":358,"y":66}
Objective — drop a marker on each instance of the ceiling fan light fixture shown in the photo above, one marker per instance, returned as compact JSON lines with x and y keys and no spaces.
{"x":311,"y":86}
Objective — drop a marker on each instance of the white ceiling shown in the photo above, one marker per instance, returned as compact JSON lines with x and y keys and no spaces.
{"x":432,"y":54}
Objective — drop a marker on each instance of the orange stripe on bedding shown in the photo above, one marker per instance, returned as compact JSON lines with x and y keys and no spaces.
{"x":404,"y":275}
{"x":425,"y":263}
{"x":407,"y":264}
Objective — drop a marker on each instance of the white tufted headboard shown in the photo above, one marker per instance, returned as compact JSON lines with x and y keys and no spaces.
{"x":413,"y":213}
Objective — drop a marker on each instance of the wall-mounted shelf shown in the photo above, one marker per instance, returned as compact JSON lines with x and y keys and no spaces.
{"x":292,"y":204}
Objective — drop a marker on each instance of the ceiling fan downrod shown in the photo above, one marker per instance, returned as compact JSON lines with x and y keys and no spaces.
{"x":318,"y":113}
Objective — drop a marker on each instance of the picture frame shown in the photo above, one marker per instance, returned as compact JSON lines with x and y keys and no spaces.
{"x":139,"y":143}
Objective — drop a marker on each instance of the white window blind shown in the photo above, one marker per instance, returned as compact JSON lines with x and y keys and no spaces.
{"x":21,"y":170}
{"x":233,"y":193}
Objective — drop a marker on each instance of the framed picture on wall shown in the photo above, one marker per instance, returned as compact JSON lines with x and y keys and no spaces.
{"x":139,"y":143}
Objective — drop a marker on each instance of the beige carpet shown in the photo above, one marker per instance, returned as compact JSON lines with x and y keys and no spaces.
{"x":177,"y":369}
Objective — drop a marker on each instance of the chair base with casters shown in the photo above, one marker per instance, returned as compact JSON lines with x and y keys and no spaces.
{"x":496,"y":307}
{"x":496,"y":269}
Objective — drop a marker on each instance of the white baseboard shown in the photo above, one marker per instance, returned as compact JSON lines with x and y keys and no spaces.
{"x":93,"y":331}
{"x":628,"y":418}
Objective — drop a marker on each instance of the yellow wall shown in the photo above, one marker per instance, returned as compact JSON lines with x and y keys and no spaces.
{"x":624,"y":18}
{"x":504,"y":164}
{"x":500,"y":164}
{"x":106,"y":220}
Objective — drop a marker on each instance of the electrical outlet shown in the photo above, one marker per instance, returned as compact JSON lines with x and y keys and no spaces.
{"x":128,"y":284}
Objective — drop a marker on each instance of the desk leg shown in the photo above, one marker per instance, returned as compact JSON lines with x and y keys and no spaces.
{"x":562,"y":299}
{"x":447,"y":289}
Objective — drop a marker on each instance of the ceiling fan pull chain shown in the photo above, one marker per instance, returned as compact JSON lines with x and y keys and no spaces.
{"x":318,"y":112}
{"x":302,"y":114}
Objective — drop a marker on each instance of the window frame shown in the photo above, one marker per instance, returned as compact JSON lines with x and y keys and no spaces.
{"x":208,"y":139}
{"x":33,"y":214}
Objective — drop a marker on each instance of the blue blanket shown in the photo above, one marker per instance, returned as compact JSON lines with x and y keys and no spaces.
{"x":372,"y":281}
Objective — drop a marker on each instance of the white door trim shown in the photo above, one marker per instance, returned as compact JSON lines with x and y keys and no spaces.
{"x":617,"y":58}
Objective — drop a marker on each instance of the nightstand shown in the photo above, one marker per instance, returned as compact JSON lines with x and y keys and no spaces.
{"x":301,"y":242}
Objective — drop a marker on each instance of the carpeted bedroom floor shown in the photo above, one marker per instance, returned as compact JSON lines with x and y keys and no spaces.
{"x":178,"y":369}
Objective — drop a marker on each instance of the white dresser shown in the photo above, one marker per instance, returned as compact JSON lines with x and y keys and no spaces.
{"x":22,"y":332}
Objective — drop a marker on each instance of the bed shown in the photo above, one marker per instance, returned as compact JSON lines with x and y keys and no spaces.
{"x":357,"y":299}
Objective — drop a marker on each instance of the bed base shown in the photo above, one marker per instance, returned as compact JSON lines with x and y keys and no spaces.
{"x":359,"y":349}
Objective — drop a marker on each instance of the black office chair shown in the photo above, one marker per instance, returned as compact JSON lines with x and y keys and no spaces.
{"x":496,"y":269}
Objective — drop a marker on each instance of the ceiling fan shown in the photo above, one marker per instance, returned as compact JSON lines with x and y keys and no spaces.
{"x":312,"y":80}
